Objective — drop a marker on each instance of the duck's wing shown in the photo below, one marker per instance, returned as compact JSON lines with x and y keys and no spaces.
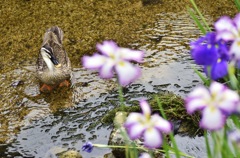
{"x":41,"y":65}
{"x":61,"y":55}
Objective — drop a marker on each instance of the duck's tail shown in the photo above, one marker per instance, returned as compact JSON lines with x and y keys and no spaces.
{"x":53,"y":34}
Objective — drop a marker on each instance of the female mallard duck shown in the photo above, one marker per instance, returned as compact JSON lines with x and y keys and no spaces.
{"x":53,"y":64}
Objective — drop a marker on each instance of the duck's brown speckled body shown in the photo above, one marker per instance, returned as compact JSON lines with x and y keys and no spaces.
{"x":59,"y":69}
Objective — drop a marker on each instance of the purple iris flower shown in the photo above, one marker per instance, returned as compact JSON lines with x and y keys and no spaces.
{"x":228,"y":30}
{"x":88,"y":147}
{"x":215,"y":103}
{"x":211,"y":53}
{"x":148,"y":126}
{"x":114,"y":58}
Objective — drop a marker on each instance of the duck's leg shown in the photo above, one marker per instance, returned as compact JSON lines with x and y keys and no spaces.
{"x":64,"y":83}
{"x":46,"y":88}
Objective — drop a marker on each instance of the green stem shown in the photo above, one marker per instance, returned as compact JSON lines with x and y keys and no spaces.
{"x":217,"y":144}
{"x":233,"y":79}
{"x":175,"y":147}
{"x":160,"y":107}
{"x":137,"y":147}
{"x":235,"y":120}
{"x":207,"y":144}
{"x":225,"y":148}
{"x":117,"y":146}
{"x":166,"y":148}
{"x":120,"y":92}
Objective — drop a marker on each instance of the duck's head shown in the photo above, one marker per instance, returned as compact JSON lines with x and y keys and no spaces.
{"x":49,"y":58}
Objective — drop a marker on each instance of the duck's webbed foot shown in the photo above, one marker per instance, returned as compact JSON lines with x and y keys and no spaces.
{"x":64,"y":83}
{"x":46,"y":88}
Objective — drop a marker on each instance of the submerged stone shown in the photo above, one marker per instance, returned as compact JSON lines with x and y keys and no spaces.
{"x":71,"y":154}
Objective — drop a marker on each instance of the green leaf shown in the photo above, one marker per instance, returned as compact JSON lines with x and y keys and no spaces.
{"x":205,"y":80}
{"x":197,"y":21}
{"x":237,"y":3}
{"x":200,"y":14}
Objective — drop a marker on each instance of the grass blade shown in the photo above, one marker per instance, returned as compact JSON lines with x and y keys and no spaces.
{"x":197,"y":21}
{"x":200,"y":14}
{"x":207,"y":144}
{"x":237,"y":3}
{"x":175,"y":147}
{"x":205,"y":80}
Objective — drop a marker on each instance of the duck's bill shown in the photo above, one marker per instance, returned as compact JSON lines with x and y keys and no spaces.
{"x":59,"y":65}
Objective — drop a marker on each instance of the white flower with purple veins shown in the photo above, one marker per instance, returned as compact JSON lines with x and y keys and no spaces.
{"x":147,"y":125}
{"x":216,"y":103}
{"x":229,"y":30}
{"x":115,"y":58}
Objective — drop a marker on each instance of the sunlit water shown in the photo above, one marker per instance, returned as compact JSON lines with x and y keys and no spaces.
{"x":36,"y":123}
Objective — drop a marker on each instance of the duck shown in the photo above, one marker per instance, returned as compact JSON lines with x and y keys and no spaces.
{"x":53,"y":64}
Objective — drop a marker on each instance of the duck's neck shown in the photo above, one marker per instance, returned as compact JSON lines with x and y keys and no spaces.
{"x":49,"y":63}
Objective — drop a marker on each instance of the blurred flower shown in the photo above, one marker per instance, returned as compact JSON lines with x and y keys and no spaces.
{"x":145,"y":155}
{"x":228,"y":30}
{"x":115,"y":58}
{"x":216,"y":103}
{"x":150,"y":127}
{"x":210,"y":53}
{"x":234,"y":136}
{"x":88,"y":147}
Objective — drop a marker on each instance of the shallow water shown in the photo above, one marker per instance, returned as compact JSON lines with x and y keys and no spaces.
{"x":56,"y":121}
{"x":35,"y":123}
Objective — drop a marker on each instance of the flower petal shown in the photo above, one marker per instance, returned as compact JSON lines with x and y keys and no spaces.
{"x":145,"y":155}
{"x":197,"y":99}
{"x":134,"y":125}
{"x":135,"y":130}
{"x":88,"y":147}
{"x":152,"y":138}
{"x":127,"y":73}
{"x":224,"y":23}
{"x":218,"y":70}
{"x":146,"y":110}
{"x":229,"y":101}
{"x":212,"y":119}
{"x":161,"y":123}
{"x":235,"y":50}
{"x":234,"y":136}
{"x":93,"y":62}
{"x":204,"y":54}
{"x":133,"y":118}
{"x":225,"y":28}
{"x":216,"y":88}
{"x":236,"y":21}
{"x":128,"y":54}
{"x":106,"y":71}
{"x":108,"y":48}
